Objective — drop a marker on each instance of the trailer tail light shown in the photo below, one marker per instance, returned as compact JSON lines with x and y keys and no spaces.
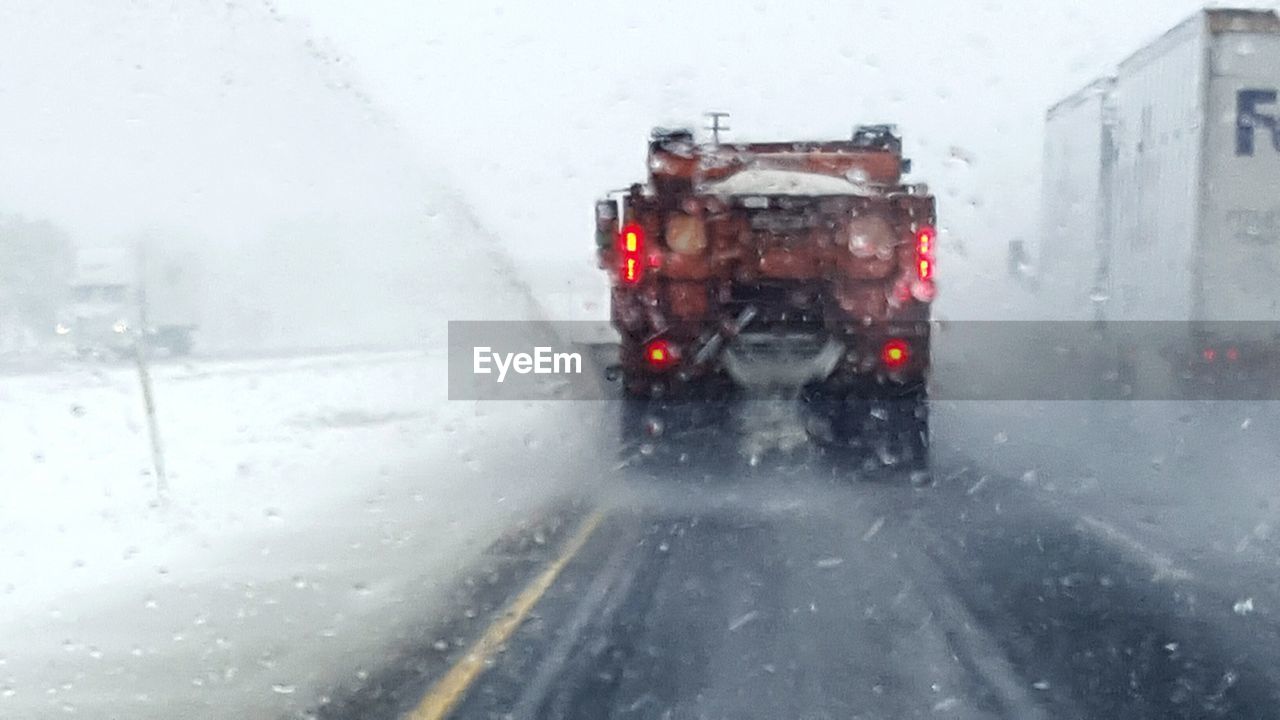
{"x":660,"y":354}
{"x":1211,"y":354}
{"x":631,"y":247}
{"x":895,"y":353}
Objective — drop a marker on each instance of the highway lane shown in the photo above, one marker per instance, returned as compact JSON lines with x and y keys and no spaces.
{"x":786,"y":588}
{"x":877,"y":603}
{"x":787,"y":613}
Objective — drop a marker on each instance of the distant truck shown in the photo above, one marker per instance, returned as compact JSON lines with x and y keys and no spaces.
{"x":1162,"y":201}
{"x":806,"y":265}
{"x":120,"y":295}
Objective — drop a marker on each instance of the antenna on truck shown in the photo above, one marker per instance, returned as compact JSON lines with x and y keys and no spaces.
{"x":715,"y":127}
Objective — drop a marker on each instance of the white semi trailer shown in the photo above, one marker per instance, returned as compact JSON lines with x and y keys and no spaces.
{"x":123,"y":294}
{"x":1162,"y":201}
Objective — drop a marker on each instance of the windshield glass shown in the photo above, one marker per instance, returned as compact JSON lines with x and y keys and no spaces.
{"x":770,"y":360}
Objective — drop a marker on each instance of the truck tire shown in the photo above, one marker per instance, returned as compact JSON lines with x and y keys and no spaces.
{"x":860,"y":428}
{"x":909,"y":429}
{"x":685,"y":429}
{"x":640,"y":428}
{"x":644,"y":386}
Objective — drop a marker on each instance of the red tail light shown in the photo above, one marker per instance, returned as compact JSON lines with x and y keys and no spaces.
{"x":924,"y":241}
{"x":924,"y":267}
{"x":631,"y":248}
{"x":926,"y":238}
{"x":895,"y":353}
{"x":660,"y":354}
{"x":1211,"y":354}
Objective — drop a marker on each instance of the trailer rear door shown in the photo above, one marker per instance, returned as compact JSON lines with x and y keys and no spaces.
{"x":1239,"y":253}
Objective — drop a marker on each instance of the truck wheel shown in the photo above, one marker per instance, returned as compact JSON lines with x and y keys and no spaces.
{"x":641,"y":425}
{"x":835,"y":417}
{"x":683,"y":429}
{"x":868,"y":432}
{"x":638,"y":386}
{"x":909,"y":431}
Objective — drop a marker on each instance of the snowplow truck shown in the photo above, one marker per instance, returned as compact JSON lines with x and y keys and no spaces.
{"x":806,"y":265}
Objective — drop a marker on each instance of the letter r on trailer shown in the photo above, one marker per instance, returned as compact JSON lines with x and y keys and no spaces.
{"x":1248,"y":118}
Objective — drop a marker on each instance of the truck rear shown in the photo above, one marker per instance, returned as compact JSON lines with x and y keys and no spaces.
{"x":126,"y":293}
{"x":804,"y":266}
{"x":103,"y":314}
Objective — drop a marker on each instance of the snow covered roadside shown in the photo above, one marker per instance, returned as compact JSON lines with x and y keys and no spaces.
{"x":316,"y":505}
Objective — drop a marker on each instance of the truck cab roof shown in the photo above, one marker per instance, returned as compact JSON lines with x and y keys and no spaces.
{"x":871,"y":157}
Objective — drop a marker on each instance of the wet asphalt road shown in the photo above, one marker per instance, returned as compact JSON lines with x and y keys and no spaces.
{"x":867,"y":602}
{"x":789,"y":589}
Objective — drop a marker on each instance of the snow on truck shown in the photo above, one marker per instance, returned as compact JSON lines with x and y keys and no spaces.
{"x":804,"y":265}
{"x":1162,"y":203}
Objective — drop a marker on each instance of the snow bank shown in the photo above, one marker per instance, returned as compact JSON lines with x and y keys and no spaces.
{"x":315,"y":506}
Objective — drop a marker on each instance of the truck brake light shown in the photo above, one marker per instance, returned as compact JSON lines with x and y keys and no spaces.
{"x":924,"y":267}
{"x":631,"y":245}
{"x":895,"y":353}
{"x":660,"y":354}
{"x":926,"y":238}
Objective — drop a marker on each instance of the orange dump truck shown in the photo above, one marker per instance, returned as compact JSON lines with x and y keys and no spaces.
{"x":807,"y":265}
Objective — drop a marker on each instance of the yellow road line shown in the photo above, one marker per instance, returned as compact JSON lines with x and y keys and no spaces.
{"x":450,"y":689}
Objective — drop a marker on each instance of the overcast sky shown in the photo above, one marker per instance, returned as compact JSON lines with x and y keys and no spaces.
{"x":222,"y":128}
{"x":534,"y":108}
{"x":230,"y":119}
